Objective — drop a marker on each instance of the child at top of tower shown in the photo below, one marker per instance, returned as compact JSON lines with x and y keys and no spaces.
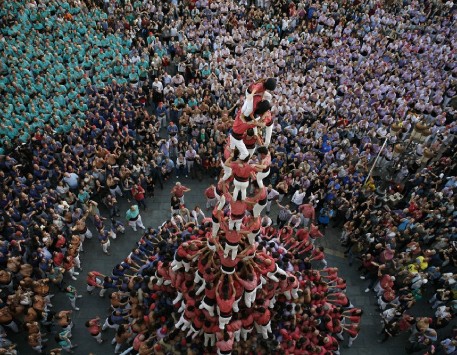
{"x":257,"y":92}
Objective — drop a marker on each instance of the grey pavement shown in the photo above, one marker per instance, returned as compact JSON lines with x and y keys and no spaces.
{"x":158,"y":211}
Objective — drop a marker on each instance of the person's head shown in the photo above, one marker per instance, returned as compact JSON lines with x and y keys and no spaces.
{"x":270,"y":84}
{"x":262,"y":150}
{"x":262,"y":107}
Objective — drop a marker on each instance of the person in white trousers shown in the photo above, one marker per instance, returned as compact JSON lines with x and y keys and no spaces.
{"x":241,"y":125}
{"x":134,"y":218}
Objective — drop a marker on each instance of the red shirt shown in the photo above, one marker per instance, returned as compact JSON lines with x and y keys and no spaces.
{"x":262,"y":318}
{"x":352,"y":311}
{"x":163,"y":272}
{"x":225,"y":345}
{"x":94,"y":327}
{"x":227,"y":151}
{"x":314,"y":232}
{"x":92,"y":280}
{"x":352,"y":330}
{"x":260,"y":89}
{"x":255,"y":199}
{"x":209,"y":193}
{"x":239,"y":127}
{"x":263,"y":194}
{"x":227,"y":262}
{"x":243,"y":171}
{"x":234,"y":326}
{"x":225,"y":305}
{"x":211,"y":293}
{"x":182,"y":252}
{"x":58,"y":259}
{"x":308,"y":211}
{"x":266,"y":161}
{"x":318,"y":255}
{"x":239,"y":289}
{"x":137,"y":342}
{"x":268,"y":119}
{"x":302,"y":235}
{"x":341,"y":299}
{"x":138,"y":193}
{"x":60,"y":241}
{"x":179,"y":190}
{"x":237,"y":208}
{"x":249,"y":285}
{"x":69,"y":263}
{"x":255,"y":226}
{"x":211,"y":329}
{"x":247,"y":321}
{"x":233,"y":236}
{"x":249,"y":141}
{"x":263,"y":265}
{"x":202,"y":267}
{"x":386,"y":281}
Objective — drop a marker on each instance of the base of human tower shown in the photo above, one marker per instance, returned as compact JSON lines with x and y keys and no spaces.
{"x":237,"y":279}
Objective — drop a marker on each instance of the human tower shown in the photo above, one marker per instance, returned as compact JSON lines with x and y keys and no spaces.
{"x":227,"y":285}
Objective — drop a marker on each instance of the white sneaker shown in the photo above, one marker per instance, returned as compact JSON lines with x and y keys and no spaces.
{"x":76,"y":309}
{"x":134,"y":229}
{"x":74,"y":278}
{"x":76,"y":273}
{"x":367,"y":290}
{"x":362,"y":277}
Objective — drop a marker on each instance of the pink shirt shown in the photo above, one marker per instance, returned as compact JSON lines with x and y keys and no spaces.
{"x":249,"y":285}
{"x":225,"y":345}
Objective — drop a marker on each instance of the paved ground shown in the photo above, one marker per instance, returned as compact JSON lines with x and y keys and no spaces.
{"x":158,"y":211}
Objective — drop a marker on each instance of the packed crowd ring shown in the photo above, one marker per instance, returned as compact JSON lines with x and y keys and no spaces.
{"x":111,"y":100}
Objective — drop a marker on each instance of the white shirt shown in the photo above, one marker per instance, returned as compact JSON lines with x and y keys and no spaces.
{"x":158,"y":85}
{"x":72,"y":180}
{"x":196,"y":214}
{"x":298,"y":197}
{"x":441,"y":312}
{"x":272,"y":194}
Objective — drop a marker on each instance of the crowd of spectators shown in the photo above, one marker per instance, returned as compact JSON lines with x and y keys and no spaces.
{"x":86,"y":92}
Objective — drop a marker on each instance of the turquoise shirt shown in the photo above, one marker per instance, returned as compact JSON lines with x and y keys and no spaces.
{"x":132,"y":213}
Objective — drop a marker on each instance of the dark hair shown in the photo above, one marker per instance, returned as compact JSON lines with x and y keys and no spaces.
{"x":262,"y":150}
{"x":270,"y":84}
{"x":262,"y":107}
